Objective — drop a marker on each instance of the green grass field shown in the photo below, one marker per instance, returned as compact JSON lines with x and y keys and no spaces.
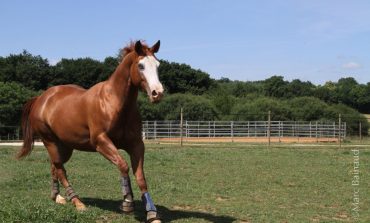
{"x":208,"y":183}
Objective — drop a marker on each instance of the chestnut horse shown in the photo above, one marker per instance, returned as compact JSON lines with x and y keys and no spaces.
{"x":100,"y":119}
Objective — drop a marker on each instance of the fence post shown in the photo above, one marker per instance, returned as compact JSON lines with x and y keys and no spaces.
{"x":209,"y":129}
{"x":186,"y":129}
{"x":214,"y":128}
{"x":280,"y":130}
{"x":232,"y":131}
{"x":269,"y":128}
{"x":360,"y":130}
{"x":317,"y":138}
{"x":339,"y":133}
{"x":255,"y":129}
{"x":155,"y":130}
{"x":170,"y":129}
{"x":181,"y":125}
{"x":248,"y":128}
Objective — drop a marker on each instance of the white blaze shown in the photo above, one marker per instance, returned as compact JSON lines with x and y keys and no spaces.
{"x":150,"y":72}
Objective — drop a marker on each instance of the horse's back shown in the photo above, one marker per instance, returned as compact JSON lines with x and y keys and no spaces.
{"x":56,"y":98}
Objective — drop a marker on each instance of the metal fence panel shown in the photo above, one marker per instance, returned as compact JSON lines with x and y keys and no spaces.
{"x":191,"y":129}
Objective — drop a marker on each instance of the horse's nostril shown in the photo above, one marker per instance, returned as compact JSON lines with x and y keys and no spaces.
{"x":154,"y":93}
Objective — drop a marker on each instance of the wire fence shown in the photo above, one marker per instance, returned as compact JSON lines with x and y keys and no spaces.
{"x":242,"y":129}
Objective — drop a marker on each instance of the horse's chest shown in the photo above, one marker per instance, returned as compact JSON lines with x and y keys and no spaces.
{"x":125,"y":133}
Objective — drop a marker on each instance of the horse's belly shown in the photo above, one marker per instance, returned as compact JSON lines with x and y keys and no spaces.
{"x":84,"y":147}
{"x":79,"y":140}
{"x":74,"y":135}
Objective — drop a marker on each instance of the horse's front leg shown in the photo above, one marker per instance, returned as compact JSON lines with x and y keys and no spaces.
{"x":106,"y":147}
{"x":137,"y":161}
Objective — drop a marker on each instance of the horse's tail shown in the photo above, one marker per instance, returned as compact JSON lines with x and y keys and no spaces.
{"x":27,"y":132}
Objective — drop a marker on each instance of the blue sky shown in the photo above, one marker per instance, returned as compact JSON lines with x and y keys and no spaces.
{"x":315,"y":40}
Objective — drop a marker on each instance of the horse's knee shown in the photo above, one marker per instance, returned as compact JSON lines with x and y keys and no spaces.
{"x":123,"y":167}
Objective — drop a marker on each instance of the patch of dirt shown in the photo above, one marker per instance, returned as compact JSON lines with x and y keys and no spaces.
{"x":342,"y":216}
{"x":107,"y":218}
{"x":204,"y":209}
{"x":221,"y":199}
{"x":251,"y":139}
{"x":182,"y":207}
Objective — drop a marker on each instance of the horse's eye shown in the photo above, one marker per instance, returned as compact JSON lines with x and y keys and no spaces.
{"x":141,"y":66}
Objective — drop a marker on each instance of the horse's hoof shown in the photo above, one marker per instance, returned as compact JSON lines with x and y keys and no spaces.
{"x":78,"y":204}
{"x":60,"y":200}
{"x":127,"y":207}
{"x":153,"y":217}
{"x":81,"y":207}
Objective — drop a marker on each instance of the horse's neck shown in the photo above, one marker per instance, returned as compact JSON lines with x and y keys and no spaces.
{"x":120,"y":85}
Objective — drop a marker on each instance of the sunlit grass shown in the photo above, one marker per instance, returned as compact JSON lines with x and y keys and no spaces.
{"x":208,"y":183}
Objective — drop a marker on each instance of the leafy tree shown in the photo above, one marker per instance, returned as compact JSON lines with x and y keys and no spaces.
{"x":181,"y":78}
{"x":224,"y":80}
{"x":148,"y":110}
{"x":12,"y":98}
{"x":298,"y":88}
{"x":307,"y":108}
{"x":275,"y":86}
{"x":224,"y":103}
{"x":363,"y":98}
{"x":221,"y":99}
{"x":109,"y":66}
{"x":194,"y":108}
{"x":327,"y":92}
{"x":31,"y":71}
{"x":257,"y":110}
{"x":83,"y":72}
{"x":345,"y":92}
{"x":242,"y":89}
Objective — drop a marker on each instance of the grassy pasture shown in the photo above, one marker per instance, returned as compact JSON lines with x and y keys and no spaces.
{"x":208,"y":183}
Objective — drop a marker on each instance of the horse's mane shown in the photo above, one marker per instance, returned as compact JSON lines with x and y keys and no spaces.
{"x":131,"y":47}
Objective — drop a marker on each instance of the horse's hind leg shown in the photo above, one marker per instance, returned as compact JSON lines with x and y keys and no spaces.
{"x":70,"y":193}
{"x":58,"y":156}
{"x":55,"y":192}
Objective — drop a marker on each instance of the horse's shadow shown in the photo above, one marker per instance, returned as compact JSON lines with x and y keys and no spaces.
{"x":167,"y":215}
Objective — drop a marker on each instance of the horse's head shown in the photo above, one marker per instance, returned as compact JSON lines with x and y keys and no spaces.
{"x":144,"y":71}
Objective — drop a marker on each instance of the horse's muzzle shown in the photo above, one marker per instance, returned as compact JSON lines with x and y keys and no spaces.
{"x":156,"y":96}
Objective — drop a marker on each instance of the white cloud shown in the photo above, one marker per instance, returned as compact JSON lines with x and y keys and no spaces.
{"x":351,"y":65}
{"x":53,"y":62}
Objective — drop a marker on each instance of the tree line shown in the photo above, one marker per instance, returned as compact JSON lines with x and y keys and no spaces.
{"x":203,"y":98}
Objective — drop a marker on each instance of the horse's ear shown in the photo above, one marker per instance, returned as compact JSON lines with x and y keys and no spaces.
{"x":156,"y":46}
{"x":139,"y":48}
